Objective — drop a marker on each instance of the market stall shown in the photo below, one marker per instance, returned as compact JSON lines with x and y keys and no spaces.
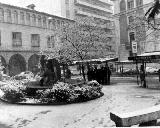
{"x":148,"y":57}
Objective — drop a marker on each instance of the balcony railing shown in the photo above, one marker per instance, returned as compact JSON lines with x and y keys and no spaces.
{"x":80,"y":2}
{"x":80,"y":12}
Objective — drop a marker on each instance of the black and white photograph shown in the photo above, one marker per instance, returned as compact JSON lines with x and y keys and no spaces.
{"x":79,"y":63}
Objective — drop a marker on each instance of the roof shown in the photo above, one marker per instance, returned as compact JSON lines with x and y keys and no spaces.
{"x":100,"y":60}
{"x":34,"y":11}
{"x":148,"y":56}
{"x":125,"y":62}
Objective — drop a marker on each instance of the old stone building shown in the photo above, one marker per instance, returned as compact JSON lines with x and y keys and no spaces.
{"x":127,"y":11}
{"x":23,"y":33}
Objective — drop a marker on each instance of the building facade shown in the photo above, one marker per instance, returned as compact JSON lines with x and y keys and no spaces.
{"x":127,"y":12}
{"x":23,"y":33}
{"x":99,"y":9}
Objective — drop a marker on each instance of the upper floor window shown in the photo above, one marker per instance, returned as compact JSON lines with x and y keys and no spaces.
{"x":9,"y":15}
{"x":130,"y":19}
{"x":1,"y":14}
{"x":62,"y":23}
{"x":44,"y":22}
{"x":28,"y":19}
{"x":15,"y":17}
{"x":51,"y":24}
{"x":39,"y":21}
{"x":34,"y":20}
{"x":130,"y":4}
{"x":58,"y":23}
{"x":35,"y":40}
{"x":17,"y":38}
{"x":50,"y":41}
{"x":139,"y":2}
{"x":54,"y":23}
{"x":22,"y":17}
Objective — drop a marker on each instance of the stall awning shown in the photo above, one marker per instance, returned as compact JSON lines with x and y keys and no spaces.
{"x":148,"y":56}
{"x":100,"y":60}
{"x":125,"y":62}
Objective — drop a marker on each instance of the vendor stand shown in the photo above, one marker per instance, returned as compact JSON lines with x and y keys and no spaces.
{"x":148,"y":57}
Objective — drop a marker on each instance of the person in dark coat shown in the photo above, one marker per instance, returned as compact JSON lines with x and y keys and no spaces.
{"x":142,"y":76}
{"x":98,"y":75}
{"x":108,"y":75}
{"x":68,"y":73}
{"x":89,"y":75}
{"x":105,"y":74}
{"x":159,"y":74}
{"x":95,"y":73}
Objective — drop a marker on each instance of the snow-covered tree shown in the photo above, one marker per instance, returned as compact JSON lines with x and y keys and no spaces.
{"x":84,"y":38}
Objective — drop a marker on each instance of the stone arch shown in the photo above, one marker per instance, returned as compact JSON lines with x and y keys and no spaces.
{"x":3,"y":63}
{"x":33,"y":63}
{"x":17,"y":64}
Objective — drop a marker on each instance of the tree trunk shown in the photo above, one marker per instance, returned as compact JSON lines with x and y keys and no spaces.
{"x":64,"y":72}
{"x":83,"y":72}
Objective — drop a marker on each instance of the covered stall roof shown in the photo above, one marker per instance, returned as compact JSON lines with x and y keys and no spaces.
{"x":125,"y":62}
{"x":100,"y":60}
{"x":147,"y":57}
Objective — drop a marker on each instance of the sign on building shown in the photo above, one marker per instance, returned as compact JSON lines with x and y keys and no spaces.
{"x":134,"y":47}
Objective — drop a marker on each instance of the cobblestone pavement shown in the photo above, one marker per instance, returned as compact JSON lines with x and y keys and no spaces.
{"x":121,"y":97}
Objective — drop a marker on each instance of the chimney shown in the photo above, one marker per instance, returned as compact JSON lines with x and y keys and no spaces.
{"x":31,"y":6}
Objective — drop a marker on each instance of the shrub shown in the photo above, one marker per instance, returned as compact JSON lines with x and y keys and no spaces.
{"x":60,"y":92}
{"x":13,"y":93}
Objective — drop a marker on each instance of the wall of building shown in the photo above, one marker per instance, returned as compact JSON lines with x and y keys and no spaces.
{"x":24,"y":56}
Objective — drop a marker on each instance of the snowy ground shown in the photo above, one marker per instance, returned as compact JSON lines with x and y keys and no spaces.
{"x":121,"y":97}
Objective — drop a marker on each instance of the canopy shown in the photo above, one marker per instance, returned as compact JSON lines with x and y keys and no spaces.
{"x":125,"y":62}
{"x":148,"y":56}
{"x":100,"y":60}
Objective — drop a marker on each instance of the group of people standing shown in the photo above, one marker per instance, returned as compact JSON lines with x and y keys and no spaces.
{"x":101,"y":75}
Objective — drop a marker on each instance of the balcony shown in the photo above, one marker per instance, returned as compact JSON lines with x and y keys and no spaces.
{"x":83,"y":13}
{"x":84,"y":3}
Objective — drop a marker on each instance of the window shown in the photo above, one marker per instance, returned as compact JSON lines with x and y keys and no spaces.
{"x":44,"y":22}
{"x":35,"y":40}
{"x":17,"y":38}
{"x":62,"y":23}
{"x":1,"y":14}
{"x":58,"y":23}
{"x":34,"y":20}
{"x":130,"y":19}
{"x":39,"y":21}
{"x":130,"y":4}
{"x":131,"y":36}
{"x":28,"y":20}
{"x":9,"y":15}
{"x":54,"y":23}
{"x":50,"y":41}
{"x":15,"y":17}
{"x":22,"y":17}
{"x":50,"y":24}
{"x":139,"y":2}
